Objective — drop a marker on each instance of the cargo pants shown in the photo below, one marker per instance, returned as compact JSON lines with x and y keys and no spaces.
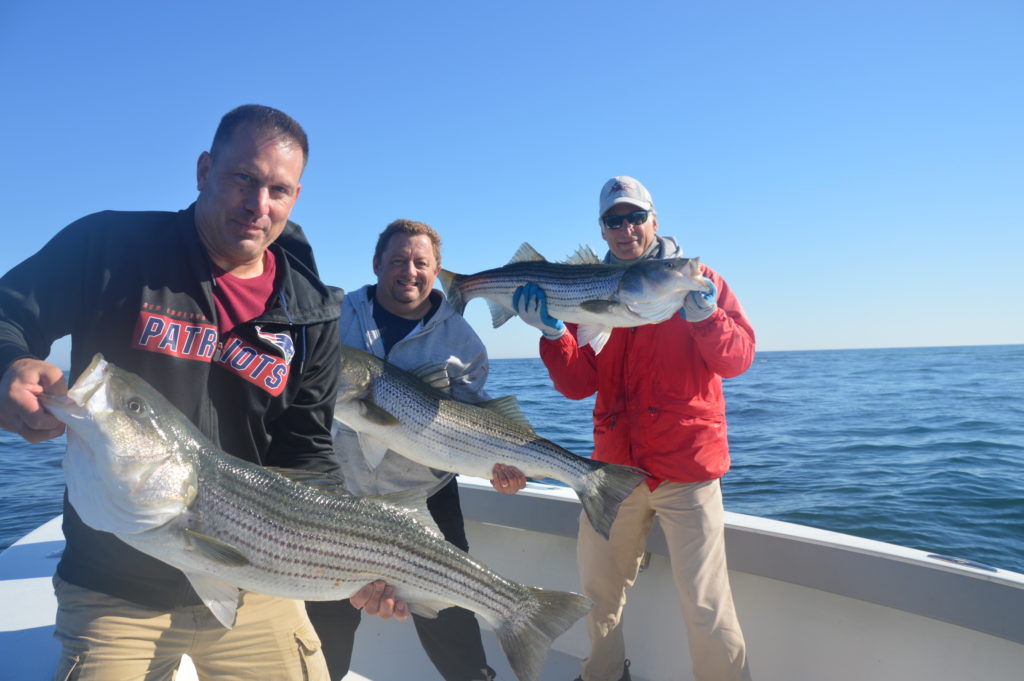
{"x":693,"y":520}
{"x":104,"y":638}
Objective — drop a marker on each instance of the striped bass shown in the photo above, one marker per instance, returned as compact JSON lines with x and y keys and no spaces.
{"x":136,"y":467}
{"x":594,"y":294}
{"x":408,"y":413}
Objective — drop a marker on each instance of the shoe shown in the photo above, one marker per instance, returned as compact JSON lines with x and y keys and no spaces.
{"x":625,"y":673}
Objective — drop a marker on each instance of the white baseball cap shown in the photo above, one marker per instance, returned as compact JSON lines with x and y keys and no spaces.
{"x":624,"y":189}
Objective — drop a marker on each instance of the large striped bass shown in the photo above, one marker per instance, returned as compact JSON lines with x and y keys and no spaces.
{"x":584,"y":290}
{"x":390,"y":408}
{"x":136,"y":467}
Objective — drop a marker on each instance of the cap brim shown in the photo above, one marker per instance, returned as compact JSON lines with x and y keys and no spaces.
{"x":642,"y":205}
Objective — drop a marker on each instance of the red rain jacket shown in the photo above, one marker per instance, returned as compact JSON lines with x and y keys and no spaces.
{"x":659,"y":389}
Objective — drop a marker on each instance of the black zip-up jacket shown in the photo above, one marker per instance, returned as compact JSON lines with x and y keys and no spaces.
{"x":137,"y":287}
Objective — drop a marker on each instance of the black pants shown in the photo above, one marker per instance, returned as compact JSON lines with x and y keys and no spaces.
{"x":452,"y":641}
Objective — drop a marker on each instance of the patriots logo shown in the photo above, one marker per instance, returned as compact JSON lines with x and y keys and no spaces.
{"x":621,"y":187}
{"x":282,"y":341}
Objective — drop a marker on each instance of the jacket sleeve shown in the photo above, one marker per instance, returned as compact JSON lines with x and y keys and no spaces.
{"x":40,"y":297}
{"x":725,"y":340}
{"x":573,"y":369}
{"x":468,"y":373}
{"x":301,"y":436}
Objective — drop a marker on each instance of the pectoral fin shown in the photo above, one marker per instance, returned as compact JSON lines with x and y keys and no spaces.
{"x":216,"y":550}
{"x":373,"y":450}
{"x":220,"y":597}
{"x":376,"y":414}
{"x":599,"y":305}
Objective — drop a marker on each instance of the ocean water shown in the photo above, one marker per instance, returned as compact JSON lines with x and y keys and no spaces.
{"x":922,"y":447}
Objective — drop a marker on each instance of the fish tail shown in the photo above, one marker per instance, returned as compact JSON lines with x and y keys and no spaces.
{"x":526,"y":635}
{"x":450,"y":284}
{"x":604,"y":489}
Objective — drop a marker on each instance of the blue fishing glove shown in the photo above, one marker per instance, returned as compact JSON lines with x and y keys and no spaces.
{"x":698,"y":305}
{"x":531,"y":304}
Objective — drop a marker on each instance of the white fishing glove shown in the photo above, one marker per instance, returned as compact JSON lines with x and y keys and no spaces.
{"x":699,"y":305}
{"x":531,"y":304}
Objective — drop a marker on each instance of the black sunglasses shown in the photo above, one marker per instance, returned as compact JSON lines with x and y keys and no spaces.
{"x":636,"y":218}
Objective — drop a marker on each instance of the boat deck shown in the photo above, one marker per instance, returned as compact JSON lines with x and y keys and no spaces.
{"x":815,"y":605}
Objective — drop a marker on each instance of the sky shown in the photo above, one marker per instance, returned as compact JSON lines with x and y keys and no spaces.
{"x":854,"y":170}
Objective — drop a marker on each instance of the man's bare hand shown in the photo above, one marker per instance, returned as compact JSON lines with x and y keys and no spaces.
{"x":20,"y":411}
{"x":377,"y":598}
{"x":507,"y":479}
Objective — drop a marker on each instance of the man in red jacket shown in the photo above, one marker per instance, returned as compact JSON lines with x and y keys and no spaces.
{"x":660,"y":407}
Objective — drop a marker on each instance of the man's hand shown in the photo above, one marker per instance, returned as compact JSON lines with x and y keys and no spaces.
{"x":20,"y":411}
{"x":531,"y":304}
{"x":699,"y":305}
{"x":507,"y":479}
{"x":377,"y":598}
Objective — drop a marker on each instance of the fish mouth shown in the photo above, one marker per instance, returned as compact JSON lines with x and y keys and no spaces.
{"x":72,"y":406}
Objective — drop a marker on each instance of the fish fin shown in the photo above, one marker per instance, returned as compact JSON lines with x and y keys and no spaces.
{"x":413,"y":503}
{"x":215,"y":549}
{"x":450,"y":284}
{"x":584,"y":255}
{"x":435,"y":375}
{"x":430,"y":610}
{"x":593,"y":334}
{"x":599,"y":305}
{"x":542,"y":616}
{"x":217,"y":595}
{"x":499,"y":313}
{"x":603,"y":489}
{"x":377,"y":414}
{"x":373,"y":449}
{"x":507,"y":407}
{"x":527,"y":253}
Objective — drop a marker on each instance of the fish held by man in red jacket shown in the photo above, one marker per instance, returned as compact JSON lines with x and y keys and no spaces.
{"x":595,"y":295}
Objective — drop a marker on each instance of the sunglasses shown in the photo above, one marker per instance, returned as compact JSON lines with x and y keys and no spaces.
{"x":636,"y":218}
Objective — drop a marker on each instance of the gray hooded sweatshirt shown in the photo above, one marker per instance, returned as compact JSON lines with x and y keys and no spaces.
{"x":445,"y":339}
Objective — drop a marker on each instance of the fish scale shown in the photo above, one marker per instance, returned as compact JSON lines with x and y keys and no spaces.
{"x":136,"y":467}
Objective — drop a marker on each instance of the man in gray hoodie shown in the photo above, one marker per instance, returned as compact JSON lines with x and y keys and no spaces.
{"x":404,"y":320}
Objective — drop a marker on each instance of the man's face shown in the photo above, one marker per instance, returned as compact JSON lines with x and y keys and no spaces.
{"x":629,"y":241}
{"x":405,"y":275}
{"x":246,"y":193}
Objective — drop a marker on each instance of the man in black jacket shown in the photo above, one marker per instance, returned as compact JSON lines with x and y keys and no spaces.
{"x":219,"y":307}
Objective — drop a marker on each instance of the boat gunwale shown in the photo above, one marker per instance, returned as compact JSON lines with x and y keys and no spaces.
{"x":982,"y":599}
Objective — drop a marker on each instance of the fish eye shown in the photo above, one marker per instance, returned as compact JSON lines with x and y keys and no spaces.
{"x":135,"y":406}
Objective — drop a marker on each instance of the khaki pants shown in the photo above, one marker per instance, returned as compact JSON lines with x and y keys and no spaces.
{"x":693,"y":520}
{"x":104,"y":638}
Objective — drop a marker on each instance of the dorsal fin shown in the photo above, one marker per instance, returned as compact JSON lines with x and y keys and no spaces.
{"x":527,"y":253}
{"x":508,"y":407}
{"x":584,"y":255}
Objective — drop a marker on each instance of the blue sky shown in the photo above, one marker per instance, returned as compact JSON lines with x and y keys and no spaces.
{"x":855,"y":170}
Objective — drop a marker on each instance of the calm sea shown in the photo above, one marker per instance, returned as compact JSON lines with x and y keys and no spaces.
{"x":922,"y":447}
